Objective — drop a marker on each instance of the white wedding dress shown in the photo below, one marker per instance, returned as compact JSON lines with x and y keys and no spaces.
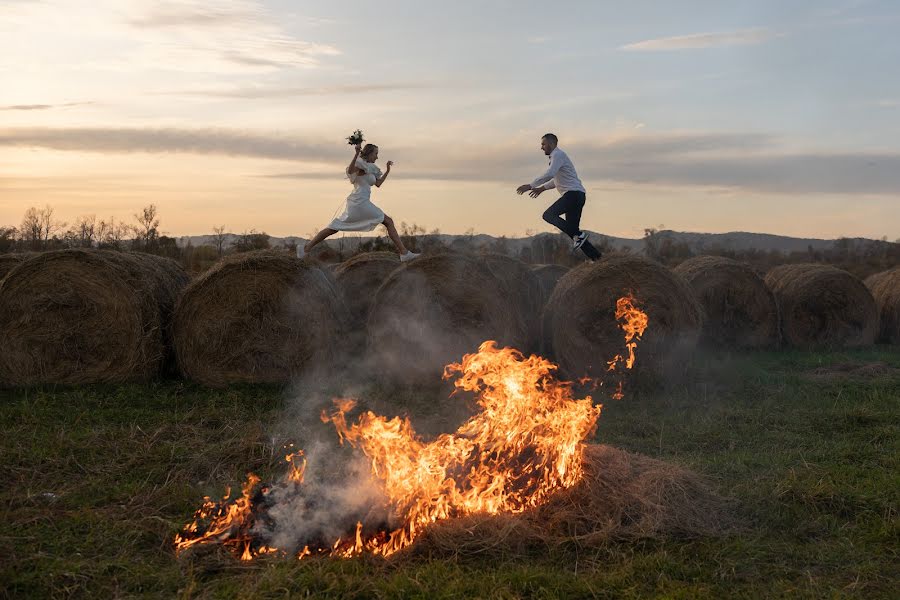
{"x":360,"y":214}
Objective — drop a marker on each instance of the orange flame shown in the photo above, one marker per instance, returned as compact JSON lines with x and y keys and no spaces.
{"x":525,"y":444}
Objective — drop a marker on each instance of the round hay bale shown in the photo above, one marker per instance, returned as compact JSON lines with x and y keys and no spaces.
{"x":580,"y":327}
{"x":256,"y":317}
{"x":431,"y":311}
{"x":359,"y":278}
{"x":86,"y":316}
{"x":8,"y":261}
{"x":521,"y":292}
{"x":822,"y":306}
{"x":549,"y":276}
{"x":885,"y":289}
{"x":740,"y":310}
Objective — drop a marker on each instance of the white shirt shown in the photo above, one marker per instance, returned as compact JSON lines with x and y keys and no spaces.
{"x":561,"y":174}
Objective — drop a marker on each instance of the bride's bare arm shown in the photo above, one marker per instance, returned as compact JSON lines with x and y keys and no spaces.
{"x":352,"y":165}
{"x":387,"y":172}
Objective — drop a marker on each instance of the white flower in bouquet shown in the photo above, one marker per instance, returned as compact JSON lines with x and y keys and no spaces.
{"x":355,"y":138}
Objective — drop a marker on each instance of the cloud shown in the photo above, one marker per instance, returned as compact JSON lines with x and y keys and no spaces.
{"x":251,"y":92}
{"x":42,"y":106}
{"x":741,"y":37}
{"x":210,"y":36}
{"x":741,"y":161}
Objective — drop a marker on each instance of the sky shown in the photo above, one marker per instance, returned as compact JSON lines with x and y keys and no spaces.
{"x":701,"y":115}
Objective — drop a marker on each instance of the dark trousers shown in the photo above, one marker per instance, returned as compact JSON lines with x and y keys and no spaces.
{"x":570,"y":204}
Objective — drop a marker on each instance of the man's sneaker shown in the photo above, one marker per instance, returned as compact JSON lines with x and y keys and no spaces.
{"x":300,"y":251}
{"x":579,"y":240}
{"x":409,"y":256}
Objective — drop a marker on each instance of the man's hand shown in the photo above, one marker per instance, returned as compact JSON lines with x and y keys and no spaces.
{"x":389,"y":163}
{"x":535,"y":192}
{"x":523,"y":188}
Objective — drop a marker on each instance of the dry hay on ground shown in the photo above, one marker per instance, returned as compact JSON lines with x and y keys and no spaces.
{"x":521,"y":292}
{"x":359,"y":278}
{"x":549,"y":276}
{"x":885,"y":288}
{"x":580,"y":326}
{"x":851,"y":371}
{"x":257,"y":317}
{"x":623,"y":496}
{"x":8,"y":261}
{"x":431,"y":311}
{"x":87,"y":316}
{"x":740,"y":310}
{"x":822,"y":306}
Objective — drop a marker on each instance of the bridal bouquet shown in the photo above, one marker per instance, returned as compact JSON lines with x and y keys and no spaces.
{"x":355,"y":138}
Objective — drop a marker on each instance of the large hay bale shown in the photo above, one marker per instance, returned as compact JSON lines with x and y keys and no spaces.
{"x":549,"y":276}
{"x":885,"y":289}
{"x":359,"y":278}
{"x":823,"y":306}
{"x":8,"y":261}
{"x":431,"y":311}
{"x":622,"y":497}
{"x":580,"y":326}
{"x":257,"y":317}
{"x":740,"y":310}
{"x":86,"y":316}
{"x":521,"y":292}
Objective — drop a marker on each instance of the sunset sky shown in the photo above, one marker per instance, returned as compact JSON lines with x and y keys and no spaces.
{"x":766,"y":116}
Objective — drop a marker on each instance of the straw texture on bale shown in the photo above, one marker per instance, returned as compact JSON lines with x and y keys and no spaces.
{"x":622,"y":497}
{"x":740,"y":310}
{"x":521,"y":292}
{"x":885,"y":289}
{"x":431,"y":311}
{"x":256,"y":317}
{"x":8,"y":261}
{"x":580,"y":326}
{"x":87,"y":316}
{"x":549,"y":276}
{"x":359,"y":278}
{"x":823,"y":307}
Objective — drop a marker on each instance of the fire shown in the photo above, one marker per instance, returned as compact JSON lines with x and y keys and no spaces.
{"x":633,"y":322}
{"x":524,"y":444}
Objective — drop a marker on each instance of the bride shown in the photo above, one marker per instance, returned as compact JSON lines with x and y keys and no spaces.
{"x":360,"y":214}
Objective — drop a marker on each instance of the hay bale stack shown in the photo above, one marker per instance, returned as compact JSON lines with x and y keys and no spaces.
{"x":256,"y":317}
{"x":87,"y":316}
{"x":359,"y":278}
{"x":885,"y":289}
{"x":8,"y":261}
{"x":740,"y":310}
{"x":823,"y":307}
{"x":549,"y":276}
{"x":622,"y":497}
{"x":580,"y":327}
{"x":521,"y":292}
{"x":431,"y":311}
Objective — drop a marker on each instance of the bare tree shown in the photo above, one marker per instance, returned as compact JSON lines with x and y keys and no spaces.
{"x":147,"y":230}
{"x":38,"y":226}
{"x":8,"y":238}
{"x":219,"y":239}
{"x":86,"y":230}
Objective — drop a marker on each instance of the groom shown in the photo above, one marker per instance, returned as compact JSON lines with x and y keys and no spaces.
{"x":562,"y":176}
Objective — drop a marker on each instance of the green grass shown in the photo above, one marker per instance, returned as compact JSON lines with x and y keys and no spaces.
{"x":96,"y":480}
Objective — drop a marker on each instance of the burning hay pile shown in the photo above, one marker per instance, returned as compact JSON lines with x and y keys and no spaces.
{"x":435,"y":309}
{"x":87,"y":316}
{"x":740,"y":310}
{"x":822,"y":306}
{"x":515,"y":475}
{"x":580,"y":318}
{"x":885,"y":288}
{"x":259,"y":317}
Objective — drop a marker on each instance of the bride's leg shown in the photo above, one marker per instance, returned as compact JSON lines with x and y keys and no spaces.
{"x":319,"y":238}
{"x":395,"y":237}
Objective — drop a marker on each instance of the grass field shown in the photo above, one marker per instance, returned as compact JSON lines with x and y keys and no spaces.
{"x":97,"y":479}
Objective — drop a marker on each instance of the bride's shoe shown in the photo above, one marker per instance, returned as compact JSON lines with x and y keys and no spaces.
{"x":409,"y":256}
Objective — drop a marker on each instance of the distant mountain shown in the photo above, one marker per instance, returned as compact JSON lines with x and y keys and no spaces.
{"x":698,"y":242}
